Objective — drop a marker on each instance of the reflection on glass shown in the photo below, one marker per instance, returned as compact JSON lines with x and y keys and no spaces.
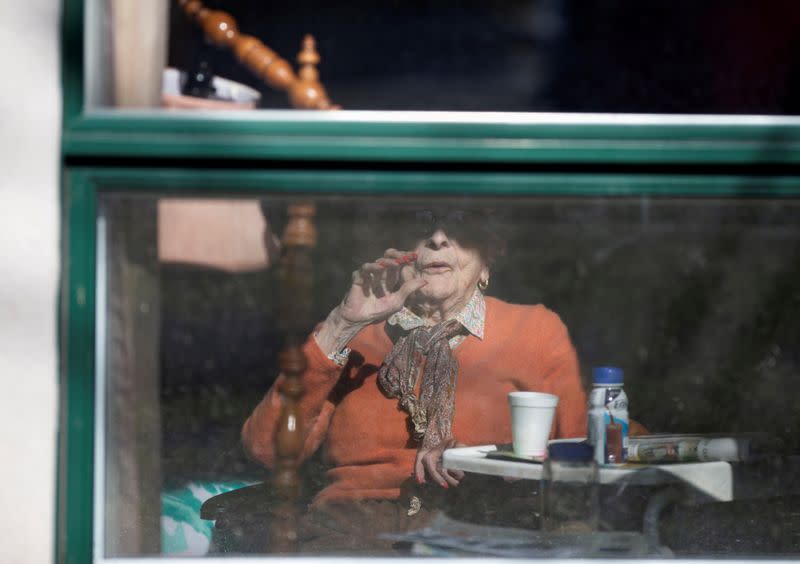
{"x":696,"y":299}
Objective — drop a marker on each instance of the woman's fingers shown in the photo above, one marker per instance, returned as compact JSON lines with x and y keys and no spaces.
{"x":367,"y":282}
{"x":391,"y":275}
{"x":419,"y":468}
{"x":372,"y":276}
{"x":425,"y":467}
{"x":432,"y":461}
{"x":409,"y":287}
{"x":405,"y":260}
{"x":451,"y":477}
{"x":395,"y":254}
{"x":458,"y":474}
{"x":382,"y":277}
{"x":372,"y":268}
{"x":428,"y":464}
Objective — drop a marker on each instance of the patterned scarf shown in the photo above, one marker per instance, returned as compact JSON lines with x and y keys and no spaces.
{"x":432,"y":413}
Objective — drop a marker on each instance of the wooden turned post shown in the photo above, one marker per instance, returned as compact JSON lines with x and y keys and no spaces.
{"x":296,"y":284}
{"x":305,"y":90}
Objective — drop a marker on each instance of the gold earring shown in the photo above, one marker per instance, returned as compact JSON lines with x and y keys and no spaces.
{"x":483,"y":284}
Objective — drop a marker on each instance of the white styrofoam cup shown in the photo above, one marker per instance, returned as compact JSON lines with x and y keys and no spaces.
{"x":531,"y":420}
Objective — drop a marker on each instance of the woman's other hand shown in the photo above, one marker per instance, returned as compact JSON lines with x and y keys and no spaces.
{"x":378,"y":290}
{"x":429,"y":465}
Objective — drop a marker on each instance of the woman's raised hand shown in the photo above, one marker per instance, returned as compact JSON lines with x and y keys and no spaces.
{"x":378,"y":290}
{"x":381,"y":288}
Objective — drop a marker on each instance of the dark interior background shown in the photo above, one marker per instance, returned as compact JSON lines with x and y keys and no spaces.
{"x":682,"y":56}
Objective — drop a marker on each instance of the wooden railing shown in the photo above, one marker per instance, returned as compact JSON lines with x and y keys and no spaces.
{"x":296,"y":287}
{"x":295,"y":268}
{"x":304,"y":88}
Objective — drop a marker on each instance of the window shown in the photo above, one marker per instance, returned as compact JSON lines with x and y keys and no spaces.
{"x":689,"y":293}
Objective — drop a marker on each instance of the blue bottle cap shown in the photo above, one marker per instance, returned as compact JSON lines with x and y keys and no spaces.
{"x":571,"y":452}
{"x":607,"y":375}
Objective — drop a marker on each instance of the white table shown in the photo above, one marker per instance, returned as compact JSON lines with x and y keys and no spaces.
{"x":710,"y":481}
{"x":698,"y":482}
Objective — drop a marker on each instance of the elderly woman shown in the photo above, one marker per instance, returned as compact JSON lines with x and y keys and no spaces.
{"x":415,"y":360}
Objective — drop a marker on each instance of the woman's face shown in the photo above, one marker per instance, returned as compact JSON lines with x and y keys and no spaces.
{"x":452,"y":271}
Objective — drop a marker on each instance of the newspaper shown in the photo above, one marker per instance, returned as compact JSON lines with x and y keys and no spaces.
{"x":698,"y":448}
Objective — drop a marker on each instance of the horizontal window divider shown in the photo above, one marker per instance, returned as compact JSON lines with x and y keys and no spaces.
{"x":439,"y":137}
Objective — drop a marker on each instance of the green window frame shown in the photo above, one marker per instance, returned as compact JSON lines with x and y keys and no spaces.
{"x":85,"y":185}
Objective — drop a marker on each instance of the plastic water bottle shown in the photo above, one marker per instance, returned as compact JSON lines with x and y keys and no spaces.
{"x":608,"y":416}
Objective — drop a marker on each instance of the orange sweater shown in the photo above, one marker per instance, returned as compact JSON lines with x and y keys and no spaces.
{"x":365,"y":434}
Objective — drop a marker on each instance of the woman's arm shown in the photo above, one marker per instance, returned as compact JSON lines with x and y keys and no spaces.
{"x":315,"y":407}
{"x":378,"y":289}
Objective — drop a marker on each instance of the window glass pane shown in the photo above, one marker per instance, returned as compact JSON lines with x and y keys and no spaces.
{"x":717,"y":56}
{"x":695,"y":299}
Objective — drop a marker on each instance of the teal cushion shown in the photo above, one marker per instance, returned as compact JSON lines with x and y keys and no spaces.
{"x":183,"y":532}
